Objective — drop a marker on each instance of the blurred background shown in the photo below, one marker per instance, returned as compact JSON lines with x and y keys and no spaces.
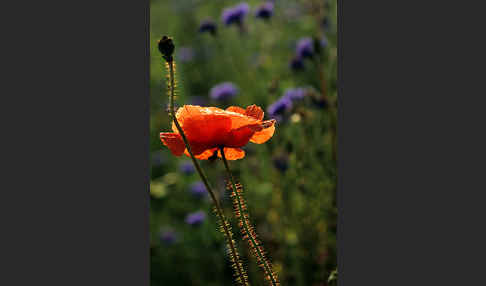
{"x":281,"y":56}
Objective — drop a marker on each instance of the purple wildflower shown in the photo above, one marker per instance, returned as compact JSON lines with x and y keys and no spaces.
{"x":198,"y":189}
{"x":223,"y":91}
{"x":186,"y":167}
{"x":168,"y":237}
{"x":235,"y":14}
{"x":297,"y":63}
{"x":208,"y":26}
{"x":279,"y":107}
{"x":305,"y":48}
{"x":295,"y":94}
{"x":185,"y":54}
{"x":265,"y":11}
{"x":195,"y":218}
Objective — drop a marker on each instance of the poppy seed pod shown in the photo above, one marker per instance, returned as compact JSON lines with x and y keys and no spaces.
{"x":166,"y":48}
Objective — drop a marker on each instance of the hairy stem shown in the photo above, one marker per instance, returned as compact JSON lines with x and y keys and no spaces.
{"x":246,"y":227}
{"x":219,"y":211}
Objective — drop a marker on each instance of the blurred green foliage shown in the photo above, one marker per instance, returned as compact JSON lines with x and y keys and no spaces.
{"x":294,"y":210}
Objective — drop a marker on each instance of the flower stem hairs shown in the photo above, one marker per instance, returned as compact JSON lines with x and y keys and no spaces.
{"x":167,"y":47}
{"x":203,"y":132}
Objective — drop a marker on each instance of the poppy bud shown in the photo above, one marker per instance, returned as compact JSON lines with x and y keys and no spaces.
{"x":166,"y":48}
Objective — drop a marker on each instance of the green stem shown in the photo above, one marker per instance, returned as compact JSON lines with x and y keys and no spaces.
{"x":203,"y":177}
{"x":245,"y":225}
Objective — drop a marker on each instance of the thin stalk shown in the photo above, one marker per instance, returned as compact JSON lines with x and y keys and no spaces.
{"x":203,"y":177}
{"x":268,"y":270}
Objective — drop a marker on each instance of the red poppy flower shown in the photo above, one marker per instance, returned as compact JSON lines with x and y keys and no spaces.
{"x":209,"y":128}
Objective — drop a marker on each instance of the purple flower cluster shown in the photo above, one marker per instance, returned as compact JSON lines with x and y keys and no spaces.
{"x":235,"y":14}
{"x":297,"y":63}
{"x":223,"y":91}
{"x":295,"y":94}
{"x":208,"y":26}
{"x":187,"y":168}
{"x":168,"y":237}
{"x":304,"y":49}
{"x":196,"y":218}
{"x":264,"y":11}
{"x":198,"y":189}
{"x":277,"y":109}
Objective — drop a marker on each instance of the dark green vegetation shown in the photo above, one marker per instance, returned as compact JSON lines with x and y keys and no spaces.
{"x":289,"y":181}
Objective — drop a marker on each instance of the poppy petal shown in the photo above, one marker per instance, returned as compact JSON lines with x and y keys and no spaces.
{"x":232,"y":153}
{"x":192,"y":111}
{"x":184,"y":112}
{"x":265,"y":134}
{"x":209,"y":130}
{"x":204,"y":155}
{"x":205,"y":125}
{"x":254,"y":111}
{"x":240,"y":137}
{"x":236,"y":109}
{"x":241,"y":120}
{"x":174,"y":142}
{"x":198,"y":148}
